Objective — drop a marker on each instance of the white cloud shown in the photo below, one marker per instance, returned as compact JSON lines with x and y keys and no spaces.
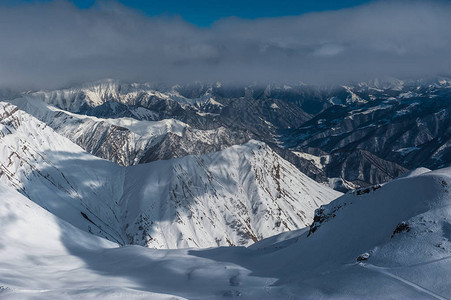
{"x":329,"y":50}
{"x":53,"y":44}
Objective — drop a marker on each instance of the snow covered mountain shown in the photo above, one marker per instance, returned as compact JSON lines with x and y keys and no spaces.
{"x":233,"y":197}
{"x":391,"y":241}
{"x":127,"y":141}
{"x":58,"y":175}
{"x":289,"y":118}
{"x":182,"y":169}
{"x":407,"y":124}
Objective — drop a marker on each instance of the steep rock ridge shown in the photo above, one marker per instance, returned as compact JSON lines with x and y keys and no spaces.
{"x":193,"y":142}
{"x":361,"y":168}
{"x":235,"y":196}
{"x":305,"y":162}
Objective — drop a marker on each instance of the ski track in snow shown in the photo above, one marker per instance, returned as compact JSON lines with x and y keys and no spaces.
{"x":421,"y":264}
{"x":385,"y":271}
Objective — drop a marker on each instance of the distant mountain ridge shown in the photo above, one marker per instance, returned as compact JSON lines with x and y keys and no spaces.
{"x":402,"y":124}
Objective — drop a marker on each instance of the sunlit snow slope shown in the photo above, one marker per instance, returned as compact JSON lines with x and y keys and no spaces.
{"x":58,"y":175}
{"x":233,"y":197}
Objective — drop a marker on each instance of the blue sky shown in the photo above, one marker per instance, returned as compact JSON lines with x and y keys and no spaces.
{"x":204,"y":13}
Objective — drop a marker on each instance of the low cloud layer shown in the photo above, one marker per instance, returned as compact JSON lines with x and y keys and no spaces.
{"x":49,"y":45}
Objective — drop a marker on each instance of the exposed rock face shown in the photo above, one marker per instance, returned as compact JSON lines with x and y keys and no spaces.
{"x":361,"y":168}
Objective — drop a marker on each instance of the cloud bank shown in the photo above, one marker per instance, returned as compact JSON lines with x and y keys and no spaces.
{"x":48,"y":45}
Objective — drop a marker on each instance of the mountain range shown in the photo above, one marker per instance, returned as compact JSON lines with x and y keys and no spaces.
{"x":388,"y":126}
{"x":232,"y":197}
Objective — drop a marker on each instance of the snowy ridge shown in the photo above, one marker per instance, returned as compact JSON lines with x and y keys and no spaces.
{"x":109,"y":90}
{"x":91,"y":94}
{"x":392,"y":241}
{"x":233,"y":197}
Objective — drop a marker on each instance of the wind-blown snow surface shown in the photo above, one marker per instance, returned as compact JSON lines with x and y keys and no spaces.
{"x":232,"y":197}
{"x":389,"y":242}
{"x":392,"y":241}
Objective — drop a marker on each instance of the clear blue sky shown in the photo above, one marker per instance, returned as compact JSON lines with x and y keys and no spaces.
{"x":205,"y":12}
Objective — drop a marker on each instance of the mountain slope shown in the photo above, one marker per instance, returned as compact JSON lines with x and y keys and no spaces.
{"x":392,"y":241}
{"x":407,"y":124}
{"x":401,"y":124}
{"x":361,"y":168}
{"x":59,"y":175}
{"x":233,"y":197}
